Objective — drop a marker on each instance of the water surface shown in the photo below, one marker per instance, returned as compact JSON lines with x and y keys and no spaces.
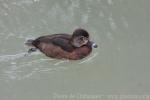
{"x":120,"y":66}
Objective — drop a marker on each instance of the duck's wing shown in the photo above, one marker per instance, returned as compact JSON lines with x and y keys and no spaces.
{"x":58,"y":40}
{"x":63,"y":43}
{"x":46,"y":38}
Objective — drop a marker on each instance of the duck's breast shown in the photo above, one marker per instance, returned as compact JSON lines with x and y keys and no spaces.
{"x":80,"y":53}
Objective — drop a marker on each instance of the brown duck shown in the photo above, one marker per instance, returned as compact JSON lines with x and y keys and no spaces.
{"x":64,"y":46}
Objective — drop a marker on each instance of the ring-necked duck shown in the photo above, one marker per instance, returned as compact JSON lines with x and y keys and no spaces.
{"x":64,"y":46}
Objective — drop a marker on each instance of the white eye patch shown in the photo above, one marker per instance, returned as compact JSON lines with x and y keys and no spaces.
{"x":80,"y":41}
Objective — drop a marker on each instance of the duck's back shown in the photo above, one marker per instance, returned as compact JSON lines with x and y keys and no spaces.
{"x":54,"y":45}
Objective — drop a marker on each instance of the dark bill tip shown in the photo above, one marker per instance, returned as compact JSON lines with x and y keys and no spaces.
{"x":94,"y":45}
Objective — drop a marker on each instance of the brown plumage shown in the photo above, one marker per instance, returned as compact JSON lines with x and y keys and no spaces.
{"x":64,"y":46}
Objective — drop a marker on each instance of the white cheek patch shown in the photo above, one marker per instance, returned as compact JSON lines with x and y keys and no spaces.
{"x":85,"y":41}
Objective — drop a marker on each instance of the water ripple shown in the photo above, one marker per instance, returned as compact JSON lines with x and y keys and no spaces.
{"x":22,"y":70}
{"x":90,"y":58}
{"x":5,"y":58}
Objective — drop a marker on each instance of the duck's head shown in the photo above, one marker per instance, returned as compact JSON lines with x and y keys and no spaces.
{"x":80,"y":38}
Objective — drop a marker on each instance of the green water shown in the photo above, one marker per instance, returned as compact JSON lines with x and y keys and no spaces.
{"x":118,"y":69}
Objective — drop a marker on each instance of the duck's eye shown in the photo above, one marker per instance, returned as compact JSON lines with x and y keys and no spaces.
{"x":82,"y":38}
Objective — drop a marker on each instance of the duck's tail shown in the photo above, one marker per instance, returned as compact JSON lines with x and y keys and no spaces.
{"x":32,"y":48}
{"x":29,"y":42}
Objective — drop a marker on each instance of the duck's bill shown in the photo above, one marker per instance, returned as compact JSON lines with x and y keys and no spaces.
{"x":94,"y":45}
